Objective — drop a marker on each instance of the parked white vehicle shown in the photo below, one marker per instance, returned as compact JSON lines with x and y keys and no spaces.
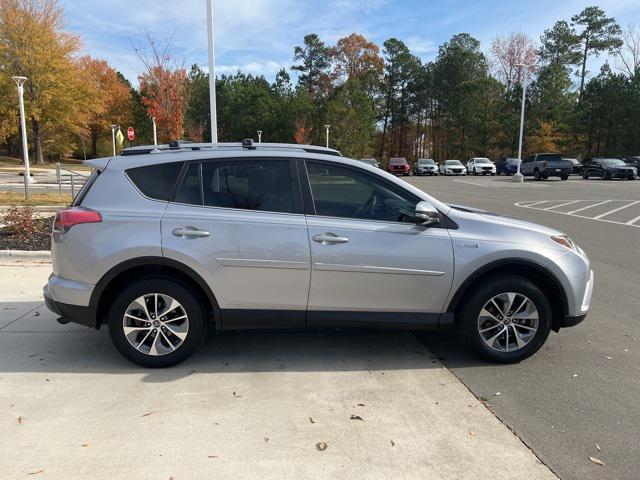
{"x":481,"y":166}
{"x":452,"y":167}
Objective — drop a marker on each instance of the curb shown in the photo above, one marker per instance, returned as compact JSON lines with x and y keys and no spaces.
{"x":42,"y":255}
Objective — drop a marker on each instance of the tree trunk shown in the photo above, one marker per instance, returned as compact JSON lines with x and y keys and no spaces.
{"x":37,"y":141}
{"x":584,"y":66}
{"x":95,"y":133}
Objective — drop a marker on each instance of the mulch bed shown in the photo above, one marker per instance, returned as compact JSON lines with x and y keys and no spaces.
{"x":40,"y":241}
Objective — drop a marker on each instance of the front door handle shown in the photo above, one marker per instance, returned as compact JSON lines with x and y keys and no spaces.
{"x":190,"y":232}
{"x":327,"y":238}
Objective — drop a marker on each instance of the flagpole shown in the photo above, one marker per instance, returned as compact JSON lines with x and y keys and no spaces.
{"x":212,"y":75}
{"x":113,"y":138}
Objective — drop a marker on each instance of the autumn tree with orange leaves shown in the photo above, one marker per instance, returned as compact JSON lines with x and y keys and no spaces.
{"x":108,"y":99}
{"x":163,"y":89}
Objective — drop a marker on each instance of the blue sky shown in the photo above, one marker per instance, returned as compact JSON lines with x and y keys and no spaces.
{"x":258,"y":36}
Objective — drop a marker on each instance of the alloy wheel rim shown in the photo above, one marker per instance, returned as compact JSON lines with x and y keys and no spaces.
{"x":508,"y":322}
{"x":155,"y":324}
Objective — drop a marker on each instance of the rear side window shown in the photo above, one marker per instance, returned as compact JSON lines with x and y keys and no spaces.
{"x":265,"y":185}
{"x":156,"y":181}
{"x":191,"y":189}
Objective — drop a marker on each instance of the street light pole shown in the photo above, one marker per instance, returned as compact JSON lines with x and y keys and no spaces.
{"x":259,"y":136}
{"x":113,"y":138}
{"x":327,"y":127}
{"x":212,"y":75}
{"x":518,"y":177}
{"x":155,"y":135}
{"x":23,"y":126}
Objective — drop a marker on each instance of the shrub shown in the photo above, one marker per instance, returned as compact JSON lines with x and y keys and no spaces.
{"x":20,"y":222}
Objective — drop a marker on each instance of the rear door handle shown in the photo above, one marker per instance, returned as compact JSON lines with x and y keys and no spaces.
{"x":190,"y":232}
{"x":327,"y":238}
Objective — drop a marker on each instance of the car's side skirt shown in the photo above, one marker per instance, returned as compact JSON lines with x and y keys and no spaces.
{"x":250,"y":319}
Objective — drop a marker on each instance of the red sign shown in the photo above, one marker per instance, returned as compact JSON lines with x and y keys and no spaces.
{"x":130,"y":134}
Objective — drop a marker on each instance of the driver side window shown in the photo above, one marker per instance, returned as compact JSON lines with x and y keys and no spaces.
{"x":348,"y":193}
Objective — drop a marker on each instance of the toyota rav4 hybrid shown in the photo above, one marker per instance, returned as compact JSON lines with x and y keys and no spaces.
{"x":165,"y":242}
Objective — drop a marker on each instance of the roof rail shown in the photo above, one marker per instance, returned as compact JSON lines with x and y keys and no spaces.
{"x":185,"y":146}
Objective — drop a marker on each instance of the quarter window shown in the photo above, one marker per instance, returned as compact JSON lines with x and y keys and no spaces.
{"x":156,"y":181}
{"x":348,"y":193}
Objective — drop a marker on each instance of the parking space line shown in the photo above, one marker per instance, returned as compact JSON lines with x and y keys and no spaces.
{"x":616,"y":210}
{"x":631,"y":222}
{"x":562,"y":204}
{"x":588,"y":206}
{"x":600,"y":218}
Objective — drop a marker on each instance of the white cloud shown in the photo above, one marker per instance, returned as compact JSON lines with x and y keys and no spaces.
{"x":421,"y":46}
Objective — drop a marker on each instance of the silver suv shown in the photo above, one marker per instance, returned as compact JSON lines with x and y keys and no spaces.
{"x":163,"y":242}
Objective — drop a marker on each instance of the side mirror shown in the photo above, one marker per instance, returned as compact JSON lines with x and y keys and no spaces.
{"x":426,"y":214}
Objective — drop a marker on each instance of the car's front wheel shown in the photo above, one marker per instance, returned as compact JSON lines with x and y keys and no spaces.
{"x":505,"y":320}
{"x":156,"y":322}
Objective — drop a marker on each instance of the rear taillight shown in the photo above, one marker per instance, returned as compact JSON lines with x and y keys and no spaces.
{"x":67,"y":218}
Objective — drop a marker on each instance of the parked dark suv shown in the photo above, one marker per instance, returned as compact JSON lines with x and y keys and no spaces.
{"x":608,"y":168}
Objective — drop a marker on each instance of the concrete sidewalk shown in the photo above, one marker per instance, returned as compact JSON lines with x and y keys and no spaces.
{"x":248,"y":405}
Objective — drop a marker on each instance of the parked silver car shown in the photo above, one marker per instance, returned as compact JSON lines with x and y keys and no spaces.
{"x":165,"y":241}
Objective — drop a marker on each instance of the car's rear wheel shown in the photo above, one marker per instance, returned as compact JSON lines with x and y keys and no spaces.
{"x":536,"y":174}
{"x":564,"y":177}
{"x":156,"y":322}
{"x":585,"y":175}
{"x":506,"y":320}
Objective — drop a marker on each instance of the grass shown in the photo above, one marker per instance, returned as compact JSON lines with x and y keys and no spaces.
{"x":35,"y":199}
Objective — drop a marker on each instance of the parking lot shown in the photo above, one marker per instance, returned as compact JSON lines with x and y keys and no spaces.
{"x":254,"y":405}
{"x":578,"y":396}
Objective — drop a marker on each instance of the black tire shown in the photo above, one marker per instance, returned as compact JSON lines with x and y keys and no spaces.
{"x":606,"y":176}
{"x":585,"y":175}
{"x":467,"y":321}
{"x":564,"y":177}
{"x":536,"y":174}
{"x":193,"y":308}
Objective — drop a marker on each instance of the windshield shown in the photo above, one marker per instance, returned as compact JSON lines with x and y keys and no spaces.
{"x":614,"y":162}
{"x":397,"y":161}
{"x":482,"y":160}
{"x":453,"y":163}
{"x":426,"y":161}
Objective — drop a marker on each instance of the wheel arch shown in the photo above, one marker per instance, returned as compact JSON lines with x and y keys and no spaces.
{"x":527,"y":269}
{"x":107,"y":287}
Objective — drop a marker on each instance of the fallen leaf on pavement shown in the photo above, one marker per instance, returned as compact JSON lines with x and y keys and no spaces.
{"x":19,"y":419}
{"x":311,"y":420}
{"x":472,"y":433}
{"x":360,"y":405}
{"x":147,"y":414}
{"x":266,"y":439}
{"x":497,"y":394}
{"x":598,"y":447}
{"x":356,"y":417}
{"x":86,"y":444}
{"x":236,"y":395}
{"x":36,"y":472}
{"x":596,"y":461}
{"x":393,"y":444}
{"x":212,"y":456}
{"x":37,"y":314}
{"x":322,"y":446}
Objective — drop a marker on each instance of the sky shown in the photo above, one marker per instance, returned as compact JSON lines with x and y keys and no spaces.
{"x":258,"y":36}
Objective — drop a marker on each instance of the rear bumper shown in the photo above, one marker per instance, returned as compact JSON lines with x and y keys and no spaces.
{"x":551,"y":172}
{"x":70,"y":300}
{"x":73,"y":313}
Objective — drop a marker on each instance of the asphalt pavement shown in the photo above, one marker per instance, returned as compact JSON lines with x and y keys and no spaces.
{"x":579,"y":396}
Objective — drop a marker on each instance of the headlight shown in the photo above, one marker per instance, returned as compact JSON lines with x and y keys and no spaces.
{"x":565,"y":241}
